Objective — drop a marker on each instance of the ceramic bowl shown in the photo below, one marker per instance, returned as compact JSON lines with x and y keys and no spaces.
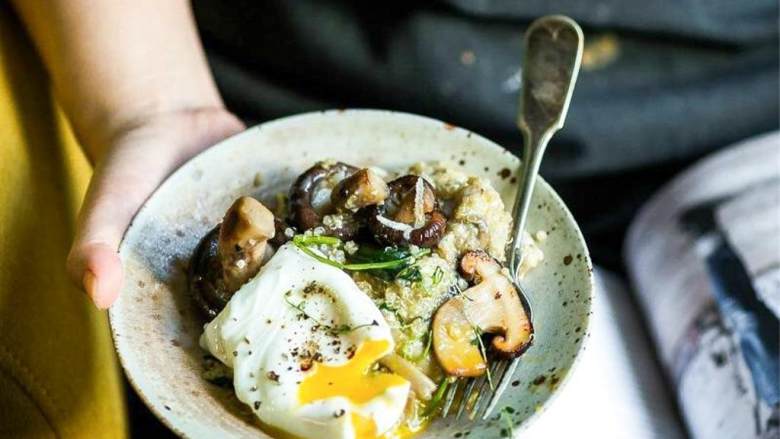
{"x":156,"y":328}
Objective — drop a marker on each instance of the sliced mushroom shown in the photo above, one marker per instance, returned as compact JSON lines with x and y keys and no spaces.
{"x":409,"y":215}
{"x":420,"y":383}
{"x":243,"y":235}
{"x":310,"y":198}
{"x":230,"y":254}
{"x":493,"y":306}
{"x":361,"y":189}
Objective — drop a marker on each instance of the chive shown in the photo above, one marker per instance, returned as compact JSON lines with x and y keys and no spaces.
{"x":377,"y":265}
{"x":369,"y":253}
{"x":427,"y":349}
{"x":403,"y":323}
{"x":482,"y":351}
{"x":435,"y":401}
{"x":437,"y":276}
{"x":387,"y":307}
{"x":478,"y":336}
{"x":344,"y":328}
{"x":317,"y":240}
{"x":314,"y":255}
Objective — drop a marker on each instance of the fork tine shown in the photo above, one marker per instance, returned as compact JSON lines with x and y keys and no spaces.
{"x":481,"y":390}
{"x":479,"y":384}
{"x":498,"y":376}
{"x":449,"y":398}
{"x":464,"y":400}
{"x":502,"y":385}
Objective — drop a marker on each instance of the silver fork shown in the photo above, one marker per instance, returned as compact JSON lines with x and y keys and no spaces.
{"x":553,"y":51}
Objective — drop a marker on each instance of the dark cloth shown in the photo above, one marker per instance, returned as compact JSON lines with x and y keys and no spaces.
{"x":663,"y":81}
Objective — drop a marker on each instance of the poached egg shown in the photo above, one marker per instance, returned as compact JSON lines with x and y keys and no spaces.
{"x":303,"y":341}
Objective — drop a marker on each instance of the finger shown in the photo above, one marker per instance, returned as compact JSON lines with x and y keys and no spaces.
{"x":122,"y":182}
{"x":101,"y":271}
{"x":111,"y":201}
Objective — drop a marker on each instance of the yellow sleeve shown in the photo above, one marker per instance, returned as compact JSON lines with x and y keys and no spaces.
{"x":59,"y":376}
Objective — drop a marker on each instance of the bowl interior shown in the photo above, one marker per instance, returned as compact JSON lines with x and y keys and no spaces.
{"x":156,"y":328}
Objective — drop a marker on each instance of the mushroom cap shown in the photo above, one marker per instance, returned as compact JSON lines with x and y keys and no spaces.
{"x":454,"y":341}
{"x":404,"y":205}
{"x":205,"y":276}
{"x":309,"y":203}
{"x":230,"y":254}
{"x":405,"y":191}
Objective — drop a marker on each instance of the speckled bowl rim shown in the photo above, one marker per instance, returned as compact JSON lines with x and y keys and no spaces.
{"x":487,"y":143}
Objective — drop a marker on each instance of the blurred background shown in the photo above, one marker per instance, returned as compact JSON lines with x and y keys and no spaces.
{"x":663,"y":82}
{"x":665,"y":86}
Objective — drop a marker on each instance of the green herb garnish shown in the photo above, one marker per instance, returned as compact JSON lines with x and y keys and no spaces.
{"x":438,"y":275}
{"x":317,"y":240}
{"x":390,"y":259}
{"x":384,"y":306}
{"x":403,"y":256}
{"x":403,"y":323}
{"x":478,"y":342}
{"x":438,"y":396}
{"x":427,"y":350}
{"x":410,"y":274}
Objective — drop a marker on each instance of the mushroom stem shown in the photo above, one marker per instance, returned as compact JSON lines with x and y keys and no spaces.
{"x":361,"y":189}
{"x":245,"y":230}
{"x":421,"y":384}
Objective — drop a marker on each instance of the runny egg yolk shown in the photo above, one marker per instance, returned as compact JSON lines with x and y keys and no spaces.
{"x":353,"y":381}
{"x":364,"y":427}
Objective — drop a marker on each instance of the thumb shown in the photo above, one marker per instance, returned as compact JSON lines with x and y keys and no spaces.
{"x":120,"y":185}
{"x":123,"y":180}
{"x":100,"y":269}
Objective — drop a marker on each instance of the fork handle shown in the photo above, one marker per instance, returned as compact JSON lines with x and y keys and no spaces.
{"x":534,"y":146}
{"x":551,"y":63}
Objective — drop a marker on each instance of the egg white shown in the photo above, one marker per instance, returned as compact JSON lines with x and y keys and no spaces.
{"x":274,"y":320}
